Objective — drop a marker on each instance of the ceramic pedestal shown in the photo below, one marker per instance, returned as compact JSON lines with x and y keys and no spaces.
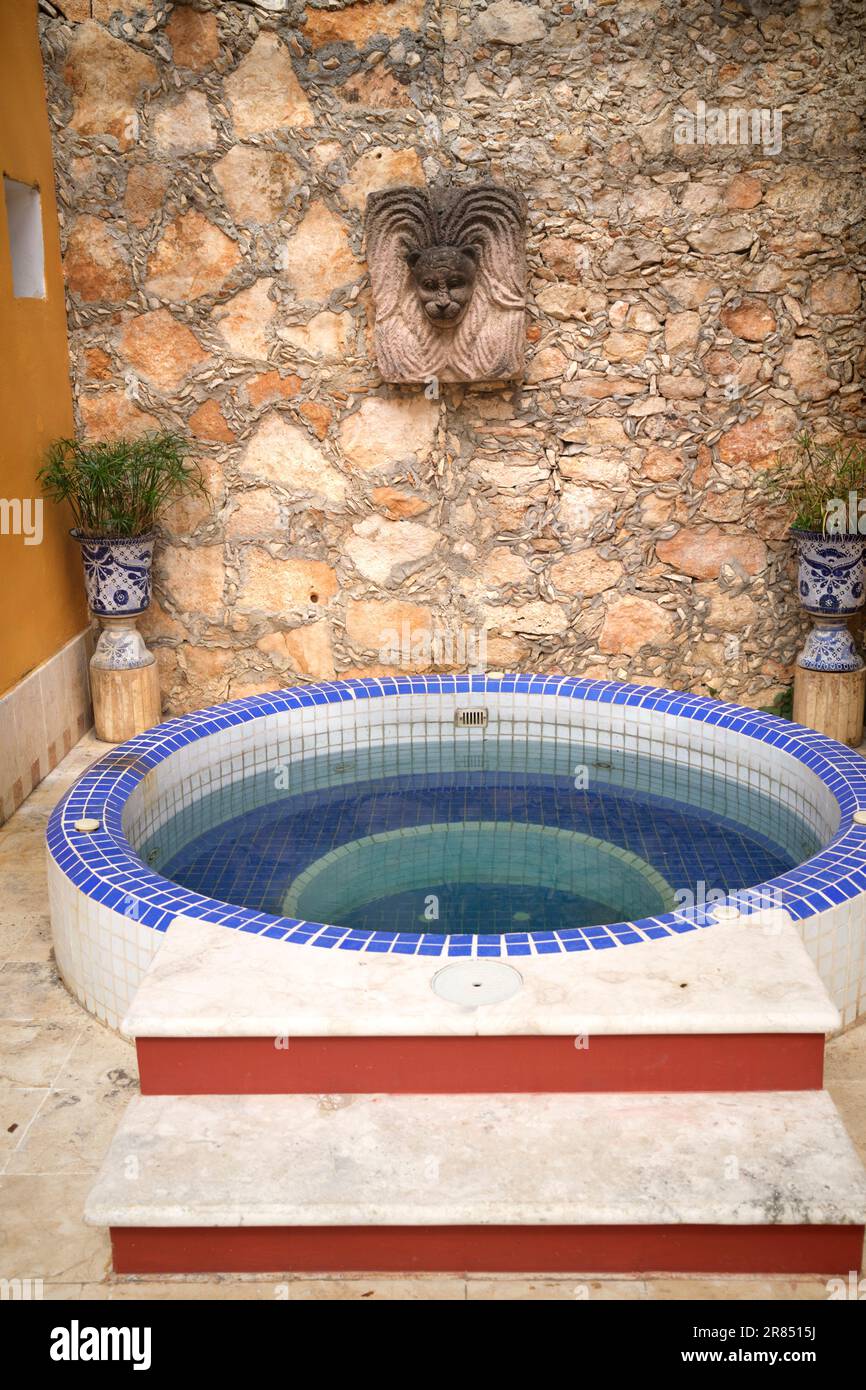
{"x":124,"y":682}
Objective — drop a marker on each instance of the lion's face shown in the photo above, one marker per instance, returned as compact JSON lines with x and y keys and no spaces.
{"x":444,"y":278}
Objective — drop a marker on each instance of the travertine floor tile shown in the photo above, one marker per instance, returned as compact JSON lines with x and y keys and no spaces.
{"x":194,"y":1290}
{"x":100,"y":1059}
{"x":32,"y":992}
{"x":31,"y":1054}
{"x":25,"y":885}
{"x":569,"y":1289}
{"x":33,"y":941}
{"x":21,"y":842}
{"x":850,"y":1097}
{"x":18,"y":1107}
{"x":42,"y":1230}
{"x":845,"y":1058}
{"x":75,"y":1293}
{"x":736,"y":1289}
{"x":379,"y":1288}
{"x":70,"y":1133}
{"x":23,"y":934}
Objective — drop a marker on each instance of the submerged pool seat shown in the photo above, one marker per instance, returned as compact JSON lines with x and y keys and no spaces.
{"x":318,"y":1111}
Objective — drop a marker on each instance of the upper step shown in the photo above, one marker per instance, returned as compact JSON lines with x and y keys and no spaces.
{"x":209,"y":982}
{"x":728,"y":1008}
{"x":514,"y":1160}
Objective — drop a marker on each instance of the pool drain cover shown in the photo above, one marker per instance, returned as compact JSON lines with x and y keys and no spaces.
{"x":474,"y":982}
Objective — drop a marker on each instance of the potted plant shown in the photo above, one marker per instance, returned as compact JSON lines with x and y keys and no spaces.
{"x":824,"y":486}
{"x":115,"y":490}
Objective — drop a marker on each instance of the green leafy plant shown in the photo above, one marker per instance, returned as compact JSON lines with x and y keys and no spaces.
{"x":815,"y":482}
{"x":783,"y":704}
{"x":117,"y":487}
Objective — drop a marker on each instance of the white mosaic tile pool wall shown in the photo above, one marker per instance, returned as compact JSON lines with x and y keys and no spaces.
{"x":103,"y":951}
{"x":223,"y":758}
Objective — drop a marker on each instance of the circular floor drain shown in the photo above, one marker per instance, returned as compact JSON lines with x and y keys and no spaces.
{"x":473,"y":982}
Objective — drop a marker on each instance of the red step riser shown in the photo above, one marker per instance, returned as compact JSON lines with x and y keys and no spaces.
{"x":829,"y":1250}
{"x":453,"y":1065}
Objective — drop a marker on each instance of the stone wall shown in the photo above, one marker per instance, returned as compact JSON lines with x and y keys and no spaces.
{"x":692,"y":306}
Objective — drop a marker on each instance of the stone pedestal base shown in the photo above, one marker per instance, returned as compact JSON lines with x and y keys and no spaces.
{"x":831,"y":702}
{"x":125,"y":703}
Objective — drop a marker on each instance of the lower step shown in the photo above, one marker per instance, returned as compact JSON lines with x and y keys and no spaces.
{"x":749,"y":1183}
{"x":516,"y":1063}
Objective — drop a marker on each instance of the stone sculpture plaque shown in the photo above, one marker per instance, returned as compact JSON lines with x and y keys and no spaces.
{"x":448,"y":272}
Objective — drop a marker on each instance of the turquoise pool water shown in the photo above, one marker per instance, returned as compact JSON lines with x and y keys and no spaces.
{"x":478,"y":834}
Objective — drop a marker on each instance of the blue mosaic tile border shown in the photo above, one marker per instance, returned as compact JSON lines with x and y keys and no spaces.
{"x":103,"y":866}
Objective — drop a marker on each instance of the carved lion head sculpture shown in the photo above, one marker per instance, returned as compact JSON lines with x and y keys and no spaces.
{"x":448,"y":272}
{"x":444,"y":278}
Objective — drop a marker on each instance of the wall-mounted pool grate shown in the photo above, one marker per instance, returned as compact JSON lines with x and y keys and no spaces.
{"x":471,"y":718}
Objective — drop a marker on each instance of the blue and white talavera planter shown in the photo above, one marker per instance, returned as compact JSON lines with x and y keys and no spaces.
{"x":831,"y":581}
{"x":117,"y":578}
{"x":116,"y":573}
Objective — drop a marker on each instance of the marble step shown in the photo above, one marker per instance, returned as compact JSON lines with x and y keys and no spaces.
{"x":730,"y":1007}
{"x":766,"y":1183}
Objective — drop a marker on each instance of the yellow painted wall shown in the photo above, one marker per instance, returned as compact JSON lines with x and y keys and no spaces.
{"x":41,"y":592}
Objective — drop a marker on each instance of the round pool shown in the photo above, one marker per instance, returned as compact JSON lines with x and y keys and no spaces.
{"x":459,"y":816}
